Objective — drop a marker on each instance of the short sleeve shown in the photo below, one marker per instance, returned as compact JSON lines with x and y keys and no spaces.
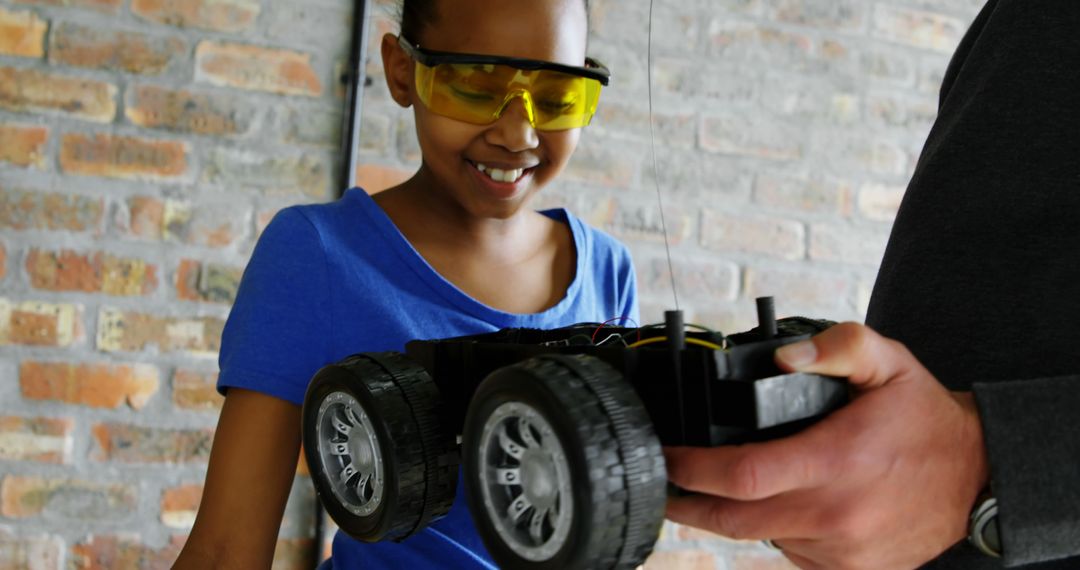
{"x":276,"y":336}
{"x":627,"y":282}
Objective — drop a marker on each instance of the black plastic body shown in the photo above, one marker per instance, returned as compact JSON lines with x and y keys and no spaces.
{"x":707,"y":398}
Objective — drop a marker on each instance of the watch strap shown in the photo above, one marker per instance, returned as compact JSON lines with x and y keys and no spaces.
{"x":983,"y":530}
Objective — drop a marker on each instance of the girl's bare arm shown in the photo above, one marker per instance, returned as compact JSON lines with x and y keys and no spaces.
{"x":251,"y":470}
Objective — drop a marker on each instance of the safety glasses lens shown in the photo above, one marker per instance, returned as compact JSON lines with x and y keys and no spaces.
{"x":478,"y":93}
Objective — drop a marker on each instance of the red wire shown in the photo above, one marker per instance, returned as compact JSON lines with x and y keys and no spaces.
{"x":612,"y":319}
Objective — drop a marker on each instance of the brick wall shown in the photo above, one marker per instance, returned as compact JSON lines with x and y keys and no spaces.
{"x":145,"y":143}
{"x":143,"y":146}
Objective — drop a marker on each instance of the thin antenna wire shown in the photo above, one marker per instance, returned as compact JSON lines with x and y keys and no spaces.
{"x":656,"y":169}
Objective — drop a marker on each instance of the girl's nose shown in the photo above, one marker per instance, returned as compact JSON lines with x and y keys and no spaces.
{"x":513,"y":130}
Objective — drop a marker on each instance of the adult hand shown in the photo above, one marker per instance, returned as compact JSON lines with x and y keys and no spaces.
{"x":887,"y":481}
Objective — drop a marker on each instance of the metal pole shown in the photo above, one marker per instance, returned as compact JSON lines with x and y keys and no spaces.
{"x":355,"y":78}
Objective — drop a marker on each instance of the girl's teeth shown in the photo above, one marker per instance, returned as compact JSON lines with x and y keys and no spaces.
{"x":499,"y":175}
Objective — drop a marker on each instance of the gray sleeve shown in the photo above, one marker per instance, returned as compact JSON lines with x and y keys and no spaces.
{"x":1032,"y":431}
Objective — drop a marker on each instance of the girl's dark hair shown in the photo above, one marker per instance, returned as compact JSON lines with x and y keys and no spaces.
{"x":415,"y":14}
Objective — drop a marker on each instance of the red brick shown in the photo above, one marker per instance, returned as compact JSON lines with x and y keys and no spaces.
{"x":207,"y":282}
{"x":35,"y":210}
{"x":40,"y":552}
{"x":838,"y":15}
{"x":735,"y":41}
{"x":94,"y":385}
{"x":122,"y":157}
{"x":847,"y":244}
{"x":257,"y":68}
{"x":891,"y":110}
{"x":196,"y":390}
{"x":682,"y":559}
{"x":687,"y":78}
{"x":26,"y":90}
{"x":279,"y":175}
{"x":179,"y":505}
{"x":22,"y":33}
{"x":799,"y":291}
{"x":217,"y":15}
{"x":110,"y":6}
{"x":96,"y":272}
{"x":873,"y":155}
{"x":807,"y":195}
{"x":23,"y":145}
{"x":97,"y":48}
{"x":603,"y":166}
{"x":756,"y":234}
{"x":622,"y":119}
{"x":893,"y":67}
{"x":809,"y":104}
{"x":135,"y":444}
{"x":917,"y":28}
{"x":146,"y":216}
{"x":691,"y":180}
{"x":375,"y":178}
{"x":46,"y":440}
{"x":66,"y":499}
{"x":126,"y":552}
{"x":39,"y":324}
{"x":745,"y":136}
{"x":188,"y":111}
{"x":642,"y":221}
{"x":703,"y":278}
{"x":322,"y":128}
{"x":205,"y":223}
{"x":132,"y":331}
{"x":880,"y":203}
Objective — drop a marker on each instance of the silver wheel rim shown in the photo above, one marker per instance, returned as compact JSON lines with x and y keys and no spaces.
{"x":350,"y":454}
{"x":525,"y":481}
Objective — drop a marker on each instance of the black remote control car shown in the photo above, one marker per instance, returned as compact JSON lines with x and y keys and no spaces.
{"x":557,"y":433}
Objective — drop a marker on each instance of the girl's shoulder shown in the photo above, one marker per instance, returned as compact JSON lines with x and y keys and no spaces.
{"x":596,"y":242}
{"x":328,"y":222}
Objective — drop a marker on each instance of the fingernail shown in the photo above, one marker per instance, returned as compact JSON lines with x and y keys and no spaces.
{"x":797,"y":354}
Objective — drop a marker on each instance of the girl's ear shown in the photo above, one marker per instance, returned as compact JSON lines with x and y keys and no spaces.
{"x":397,"y":66}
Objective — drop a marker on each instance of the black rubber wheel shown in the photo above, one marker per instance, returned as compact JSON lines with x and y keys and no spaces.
{"x":563,"y":469}
{"x":383,"y":463}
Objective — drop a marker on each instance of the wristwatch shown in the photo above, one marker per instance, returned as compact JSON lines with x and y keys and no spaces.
{"x":983,"y":531}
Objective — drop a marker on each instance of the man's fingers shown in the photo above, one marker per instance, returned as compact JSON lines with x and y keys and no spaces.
{"x":849,"y":350}
{"x":752,"y":471}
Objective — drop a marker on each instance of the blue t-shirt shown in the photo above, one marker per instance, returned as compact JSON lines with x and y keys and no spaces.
{"x":330,"y":280}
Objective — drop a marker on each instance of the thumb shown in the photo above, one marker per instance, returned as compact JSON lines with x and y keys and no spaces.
{"x":849,"y":350}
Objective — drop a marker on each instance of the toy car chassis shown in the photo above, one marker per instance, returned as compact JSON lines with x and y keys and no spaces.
{"x":558,"y":437}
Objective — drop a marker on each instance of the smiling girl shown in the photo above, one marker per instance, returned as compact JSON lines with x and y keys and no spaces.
{"x":500,"y":90}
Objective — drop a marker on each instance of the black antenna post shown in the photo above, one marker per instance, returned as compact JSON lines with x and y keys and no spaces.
{"x":766,"y":314}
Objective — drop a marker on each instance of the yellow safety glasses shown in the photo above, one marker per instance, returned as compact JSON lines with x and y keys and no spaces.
{"x":477,"y":88}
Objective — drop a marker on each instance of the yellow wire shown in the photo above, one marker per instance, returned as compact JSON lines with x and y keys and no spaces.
{"x":657,"y":339}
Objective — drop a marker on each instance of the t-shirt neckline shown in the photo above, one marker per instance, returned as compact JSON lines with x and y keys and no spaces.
{"x":411,"y":257}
